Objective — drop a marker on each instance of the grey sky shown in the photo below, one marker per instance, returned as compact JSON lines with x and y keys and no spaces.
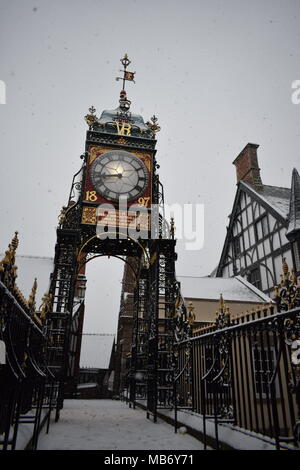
{"x":217,"y":74}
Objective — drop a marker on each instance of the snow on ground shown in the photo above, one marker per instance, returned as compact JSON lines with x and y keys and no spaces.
{"x":111,"y":425}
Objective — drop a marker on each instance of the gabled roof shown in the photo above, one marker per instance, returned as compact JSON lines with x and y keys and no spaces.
{"x":273,"y":198}
{"x":294,"y":217}
{"x":235,"y":289}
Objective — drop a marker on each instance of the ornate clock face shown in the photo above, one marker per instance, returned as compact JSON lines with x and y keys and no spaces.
{"x":119,"y":174}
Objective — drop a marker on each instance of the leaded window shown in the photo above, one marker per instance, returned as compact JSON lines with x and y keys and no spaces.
{"x":236,"y":246}
{"x":254,"y":277}
{"x":261,"y":228}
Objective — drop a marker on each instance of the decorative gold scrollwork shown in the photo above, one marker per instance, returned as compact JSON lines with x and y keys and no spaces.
{"x":62,"y":215}
{"x":287,"y":294}
{"x":153,"y":125}
{"x":45,"y":306}
{"x":31,"y":300}
{"x":91,"y":118}
{"x":223,"y":316}
{"x":8,"y":269}
{"x":191,"y":315}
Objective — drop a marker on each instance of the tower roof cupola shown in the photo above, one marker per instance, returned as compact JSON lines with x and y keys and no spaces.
{"x":121,"y":119}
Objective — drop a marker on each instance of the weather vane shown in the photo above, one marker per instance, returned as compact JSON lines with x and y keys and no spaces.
{"x":129,"y":76}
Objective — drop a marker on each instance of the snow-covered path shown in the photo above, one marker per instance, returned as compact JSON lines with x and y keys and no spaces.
{"x":111,"y":425}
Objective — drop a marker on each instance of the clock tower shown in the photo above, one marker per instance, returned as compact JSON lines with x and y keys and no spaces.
{"x":115,"y":208}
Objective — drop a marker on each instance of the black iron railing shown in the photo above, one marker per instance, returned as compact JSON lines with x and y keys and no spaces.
{"x":26,"y":386}
{"x":245,"y":371}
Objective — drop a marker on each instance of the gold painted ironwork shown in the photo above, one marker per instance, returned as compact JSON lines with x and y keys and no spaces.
{"x":123,"y":128}
{"x":153,"y":125}
{"x":8,"y":269}
{"x":91,"y":118}
{"x":95,"y":151}
{"x":191,"y":315}
{"x":223,"y":315}
{"x":153,"y":258}
{"x":32,"y":300}
{"x":46,"y":306}
{"x":20,"y":297}
{"x":8,"y":274}
{"x":287,"y":293}
{"x":62,"y":215}
{"x":89,"y":215}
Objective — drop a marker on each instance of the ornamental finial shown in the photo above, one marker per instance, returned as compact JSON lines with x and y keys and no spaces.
{"x":8,"y":269}
{"x":223,"y":315}
{"x":191,"y":315}
{"x":31,"y":300}
{"x":124,"y":102}
{"x":153,"y":126}
{"x":285,"y":267}
{"x":62,"y":215}
{"x":287,"y":294}
{"x":222,"y":303}
{"x":127,"y":76}
{"x":15,"y":242}
{"x":45,"y":306}
{"x":91,"y":118}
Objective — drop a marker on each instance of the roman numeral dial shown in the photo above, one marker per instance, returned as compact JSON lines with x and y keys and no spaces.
{"x":119,"y":174}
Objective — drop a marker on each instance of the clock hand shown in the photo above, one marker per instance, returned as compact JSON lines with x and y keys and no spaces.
{"x":119,"y":175}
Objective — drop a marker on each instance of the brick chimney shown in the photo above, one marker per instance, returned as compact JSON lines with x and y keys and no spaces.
{"x":247,"y":166}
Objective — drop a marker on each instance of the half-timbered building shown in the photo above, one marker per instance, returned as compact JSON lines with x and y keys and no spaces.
{"x":264,"y":226}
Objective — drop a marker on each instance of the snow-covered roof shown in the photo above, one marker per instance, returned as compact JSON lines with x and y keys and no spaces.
{"x":214,"y":272}
{"x":96,"y":350}
{"x":275,"y":197}
{"x":30,"y":267}
{"x":234,"y":289}
{"x":278,"y":197}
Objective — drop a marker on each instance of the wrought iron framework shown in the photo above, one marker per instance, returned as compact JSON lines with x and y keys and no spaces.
{"x":77,"y":243}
